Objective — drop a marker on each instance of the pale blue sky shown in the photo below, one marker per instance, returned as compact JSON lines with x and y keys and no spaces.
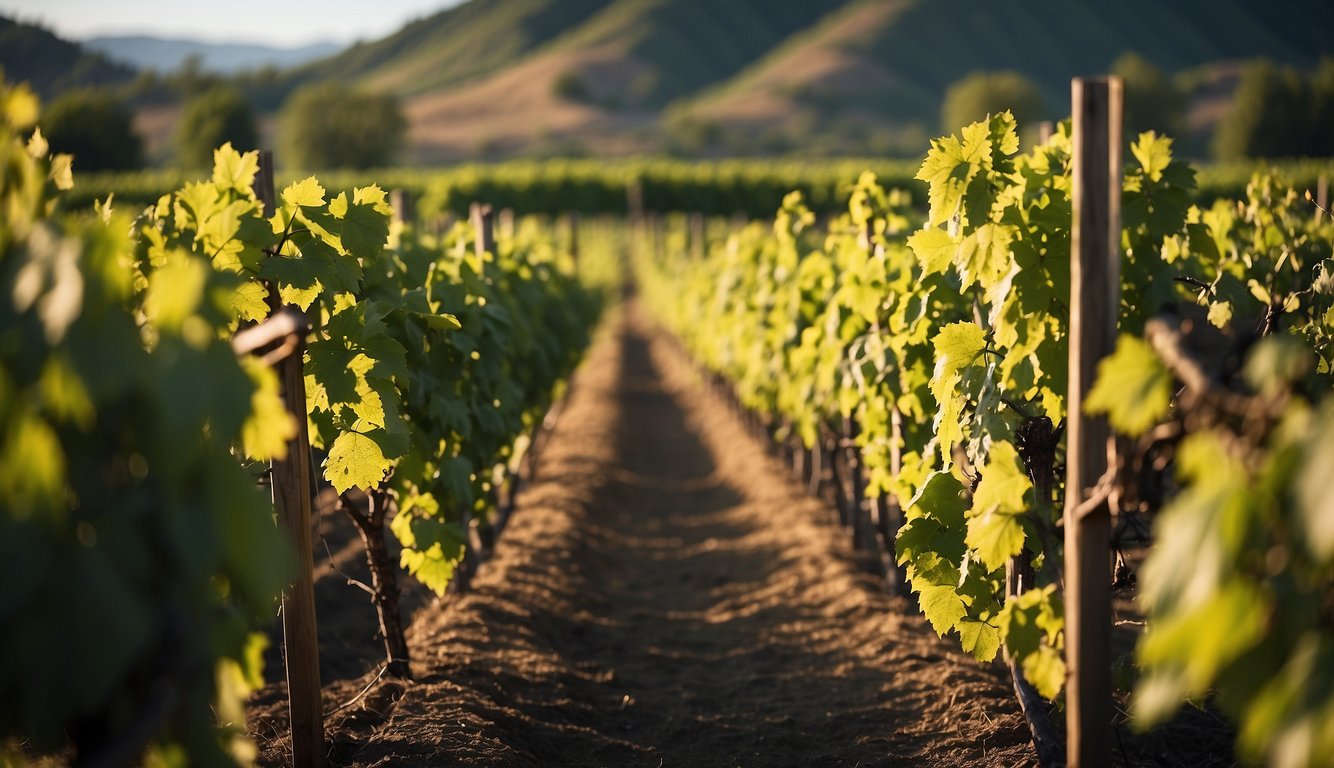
{"x":270,"y":22}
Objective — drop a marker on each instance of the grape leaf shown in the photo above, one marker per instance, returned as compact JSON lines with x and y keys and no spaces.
{"x":994,"y":527}
{"x":306,"y":193}
{"x":934,"y":249}
{"x":355,"y":461}
{"x":1133,"y":387}
{"x":978,"y":638}
{"x":942,"y":606}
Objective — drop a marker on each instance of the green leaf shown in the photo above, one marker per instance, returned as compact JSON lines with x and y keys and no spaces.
{"x":233,"y":170}
{"x":934,"y":249}
{"x":957,"y":345}
{"x":1190,"y":641}
{"x":996,"y":537}
{"x":306,"y":193}
{"x":1030,"y":628}
{"x":1315,"y":502}
{"x":942,"y":606}
{"x":433,"y":567}
{"x":1045,"y":670}
{"x":250,"y":302}
{"x":1133,"y":387}
{"x":355,"y":461}
{"x":269,"y":426}
{"x":365,"y":221}
{"x":297,"y":279}
{"x":978,"y":638}
{"x":941,"y":498}
{"x":1004,"y":485}
{"x":1275,"y":362}
{"x":1154,"y":154}
{"x":984,"y":258}
{"x":995,"y":528}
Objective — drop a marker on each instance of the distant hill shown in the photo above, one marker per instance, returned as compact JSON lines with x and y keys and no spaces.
{"x":822,"y":76}
{"x":882,"y":65}
{"x":165,"y":54}
{"x":494,"y":78}
{"x":453,"y":46}
{"x":513,"y":75}
{"x":33,"y":54}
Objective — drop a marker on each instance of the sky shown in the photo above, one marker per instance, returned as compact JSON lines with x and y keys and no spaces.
{"x":287,"y":23}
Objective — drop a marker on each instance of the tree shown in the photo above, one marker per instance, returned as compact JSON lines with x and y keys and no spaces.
{"x":209,"y":120}
{"x":1270,"y":115}
{"x":987,"y":93}
{"x":1322,"y":119}
{"x":95,"y":128}
{"x":1152,"y":101}
{"x":331,"y":125}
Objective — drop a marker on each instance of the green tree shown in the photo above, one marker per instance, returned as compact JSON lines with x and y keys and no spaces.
{"x":331,"y":125}
{"x":1270,"y":115}
{"x":1322,"y":97}
{"x":988,"y":93}
{"x":94,"y":128}
{"x":1152,"y":101}
{"x":209,"y":120}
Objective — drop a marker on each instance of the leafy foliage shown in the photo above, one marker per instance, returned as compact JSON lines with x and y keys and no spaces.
{"x":961,"y":327}
{"x":979,"y":94}
{"x":217,"y":116}
{"x":139,"y":553}
{"x":428,"y":362}
{"x":1278,"y":112}
{"x":331,"y":125}
{"x":93,"y":127}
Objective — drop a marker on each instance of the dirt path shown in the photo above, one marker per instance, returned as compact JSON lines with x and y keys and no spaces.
{"x":666,"y":597}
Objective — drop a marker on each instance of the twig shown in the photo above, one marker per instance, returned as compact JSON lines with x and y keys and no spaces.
{"x":351,"y":582}
{"x":1198,"y":283}
{"x":364,"y":691}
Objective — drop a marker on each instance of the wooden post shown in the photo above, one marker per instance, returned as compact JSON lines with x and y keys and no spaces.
{"x":1095,"y":280}
{"x":473,"y":554}
{"x":698,"y":246}
{"x":484,"y":236}
{"x":572,"y":221}
{"x":1321,"y":196}
{"x":401,"y":201}
{"x":1045,"y":130}
{"x":291,"y":483}
{"x":507,"y":223}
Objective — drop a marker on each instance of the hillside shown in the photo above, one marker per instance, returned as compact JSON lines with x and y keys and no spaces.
{"x":32,"y":54}
{"x":877,"y":68}
{"x":452,"y":46}
{"x":495,"y":78}
{"x":822,"y":77}
{"x":599,"y":87}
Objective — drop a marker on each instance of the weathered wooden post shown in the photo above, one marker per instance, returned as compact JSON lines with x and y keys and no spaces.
{"x":1095,"y":280}
{"x":401,"y":201}
{"x":572,"y":222}
{"x":290,"y":479}
{"x":484,"y":236}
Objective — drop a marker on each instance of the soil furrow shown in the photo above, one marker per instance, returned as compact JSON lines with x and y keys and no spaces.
{"x":665,"y":596}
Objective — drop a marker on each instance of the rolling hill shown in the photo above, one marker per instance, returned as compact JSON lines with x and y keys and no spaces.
{"x":33,"y":54}
{"x":882,"y":65}
{"x":491,"y":78}
{"x":746,"y":76}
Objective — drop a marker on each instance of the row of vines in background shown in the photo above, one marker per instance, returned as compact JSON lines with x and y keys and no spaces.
{"x":938,"y":345}
{"x":134,"y":438}
{"x":723,"y":188}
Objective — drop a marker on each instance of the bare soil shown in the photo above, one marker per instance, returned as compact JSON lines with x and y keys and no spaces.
{"x":663,"y":596}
